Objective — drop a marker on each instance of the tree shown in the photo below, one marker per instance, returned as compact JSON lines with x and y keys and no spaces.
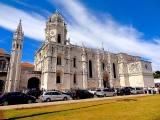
{"x":156,"y":74}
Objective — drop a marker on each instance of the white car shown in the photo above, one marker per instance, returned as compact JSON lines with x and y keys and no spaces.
{"x":105,"y":92}
{"x":49,"y":96}
{"x":93,"y":91}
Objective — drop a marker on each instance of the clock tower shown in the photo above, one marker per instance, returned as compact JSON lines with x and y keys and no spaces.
{"x":56,"y":29}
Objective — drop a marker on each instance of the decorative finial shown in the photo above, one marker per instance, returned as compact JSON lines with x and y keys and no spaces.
{"x":56,"y":11}
{"x":82,"y":44}
{"x":20,"y":20}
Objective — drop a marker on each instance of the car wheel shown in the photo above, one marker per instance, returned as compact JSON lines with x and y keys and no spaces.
{"x":65,"y":98}
{"x":114,"y":94}
{"x":104,"y":95}
{"x":29,"y":101}
{"x":48,"y":100}
{"x":5,"y":103}
{"x":78,"y":97}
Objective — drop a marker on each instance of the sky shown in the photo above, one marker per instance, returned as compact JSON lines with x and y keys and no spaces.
{"x":129,"y":26}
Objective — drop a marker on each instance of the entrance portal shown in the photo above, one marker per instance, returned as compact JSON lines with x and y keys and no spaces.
{"x":105,"y":80}
{"x":33,"y":83}
{"x":1,"y":85}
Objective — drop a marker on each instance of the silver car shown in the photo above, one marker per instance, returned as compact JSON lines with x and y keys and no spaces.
{"x":49,"y":96}
{"x":137,"y":90}
{"x":105,"y":92}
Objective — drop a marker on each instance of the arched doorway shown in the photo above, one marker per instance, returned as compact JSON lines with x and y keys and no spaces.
{"x":59,"y":77}
{"x":33,"y":83}
{"x":1,"y":85}
{"x":105,"y":80}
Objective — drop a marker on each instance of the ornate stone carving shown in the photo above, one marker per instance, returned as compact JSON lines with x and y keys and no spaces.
{"x":134,"y":68}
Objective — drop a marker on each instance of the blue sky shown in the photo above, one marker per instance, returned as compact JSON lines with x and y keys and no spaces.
{"x":129,"y":26}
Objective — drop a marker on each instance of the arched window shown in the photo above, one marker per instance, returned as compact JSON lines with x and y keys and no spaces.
{"x":103,"y":66}
{"x":58,"y":60}
{"x":17,"y":46}
{"x":74,"y":62}
{"x":13,"y":45}
{"x":114,"y":70}
{"x":74,"y":79}
{"x":90,"y":69}
{"x":59,"y":38}
{"x":58,"y":80}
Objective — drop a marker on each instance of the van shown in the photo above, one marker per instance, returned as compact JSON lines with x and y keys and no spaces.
{"x":137,"y":90}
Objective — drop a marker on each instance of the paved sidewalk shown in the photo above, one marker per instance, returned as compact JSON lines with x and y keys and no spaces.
{"x":53,"y":103}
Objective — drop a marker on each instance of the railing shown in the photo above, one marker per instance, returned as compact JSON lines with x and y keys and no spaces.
{"x":34,"y":72}
{"x":3,"y":70}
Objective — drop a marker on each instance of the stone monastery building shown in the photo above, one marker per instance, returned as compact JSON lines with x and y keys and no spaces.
{"x":58,"y":64}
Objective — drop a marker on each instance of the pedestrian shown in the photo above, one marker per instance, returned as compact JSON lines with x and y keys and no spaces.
{"x":145,"y":90}
{"x":149,"y":90}
{"x":153,"y":90}
{"x":159,"y":89}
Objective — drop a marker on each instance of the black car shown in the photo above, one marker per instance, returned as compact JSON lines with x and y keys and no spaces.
{"x":35,"y":93}
{"x":81,"y":94}
{"x":70,"y":93}
{"x":16,"y":98}
{"x":124,"y":91}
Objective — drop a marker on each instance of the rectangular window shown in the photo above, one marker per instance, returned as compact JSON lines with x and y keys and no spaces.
{"x":74,"y":62}
{"x":58,"y":61}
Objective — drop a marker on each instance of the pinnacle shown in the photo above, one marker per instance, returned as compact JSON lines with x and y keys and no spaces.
{"x":19,"y":28}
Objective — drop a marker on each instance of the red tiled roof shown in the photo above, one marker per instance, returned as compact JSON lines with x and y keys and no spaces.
{"x":3,"y":52}
{"x":26,"y":64}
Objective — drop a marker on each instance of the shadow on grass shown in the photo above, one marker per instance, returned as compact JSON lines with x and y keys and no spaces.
{"x":44,"y":113}
{"x":126,"y":100}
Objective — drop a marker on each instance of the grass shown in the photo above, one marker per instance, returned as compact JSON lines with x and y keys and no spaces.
{"x":138,"y":108}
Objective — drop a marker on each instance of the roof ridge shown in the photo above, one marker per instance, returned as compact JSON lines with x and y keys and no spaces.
{"x":2,"y":51}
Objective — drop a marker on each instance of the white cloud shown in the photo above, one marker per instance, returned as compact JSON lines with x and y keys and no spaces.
{"x":157,"y":41}
{"x":84,"y":26}
{"x":33,"y":24}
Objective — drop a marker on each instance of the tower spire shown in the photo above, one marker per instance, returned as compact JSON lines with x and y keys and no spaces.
{"x":19,"y":28}
{"x":14,"y":71}
{"x":102,"y":47}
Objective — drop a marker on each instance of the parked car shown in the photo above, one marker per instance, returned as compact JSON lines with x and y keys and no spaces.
{"x":124,"y":91}
{"x":105,"y":92}
{"x":82,"y":94}
{"x":137,"y":90}
{"x":16,"y":98}
{"x":93,"y":91}
{"x":35,"y":93}
{"x":70,"y":92}
{"x":49,"y":96}
{"x":119,"y":92}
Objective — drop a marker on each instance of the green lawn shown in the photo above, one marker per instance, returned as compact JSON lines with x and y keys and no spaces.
{"x":138,"y":108}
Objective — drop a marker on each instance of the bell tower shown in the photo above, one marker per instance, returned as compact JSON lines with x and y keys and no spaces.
{"x":56,"y":29}
{"x":14,"y":71}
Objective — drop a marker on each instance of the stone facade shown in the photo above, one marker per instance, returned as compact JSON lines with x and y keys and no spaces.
{"x":61,"y":65}
{"x":64,"y":65}
{"x":4,"y":63}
